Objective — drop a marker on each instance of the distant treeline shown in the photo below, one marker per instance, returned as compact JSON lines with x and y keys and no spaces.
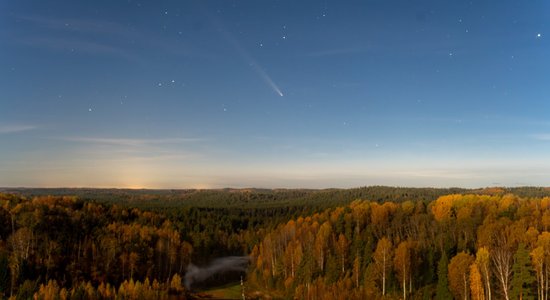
{"x":254,"y":198}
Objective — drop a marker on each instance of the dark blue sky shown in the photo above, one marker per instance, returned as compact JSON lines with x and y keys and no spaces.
{"x":175,"y":94}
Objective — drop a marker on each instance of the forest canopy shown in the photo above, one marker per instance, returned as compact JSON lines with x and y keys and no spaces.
{"x":393,"y":243}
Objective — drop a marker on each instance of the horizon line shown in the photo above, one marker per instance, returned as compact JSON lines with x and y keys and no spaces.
{"x":268,"y":188}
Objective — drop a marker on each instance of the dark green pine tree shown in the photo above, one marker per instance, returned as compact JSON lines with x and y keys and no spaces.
{"x":429,"y":266}
{"x":522,"y":279}
{"x":442,"y":280}
{"x":4,"y":274}
{"x":332,"y":271}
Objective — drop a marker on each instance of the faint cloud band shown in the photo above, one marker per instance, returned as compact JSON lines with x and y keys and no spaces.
{"x":15,"y":128}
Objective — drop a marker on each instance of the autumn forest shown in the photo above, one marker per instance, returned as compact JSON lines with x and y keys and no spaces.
{"x":364,"y":243}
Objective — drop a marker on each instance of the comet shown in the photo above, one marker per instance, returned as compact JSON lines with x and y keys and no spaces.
{"x":251,"y":61}
{"x":247,"y":57}
{"x":266,"y":78}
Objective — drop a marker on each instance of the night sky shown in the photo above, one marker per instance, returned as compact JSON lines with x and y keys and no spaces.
{"x":259,"y":93}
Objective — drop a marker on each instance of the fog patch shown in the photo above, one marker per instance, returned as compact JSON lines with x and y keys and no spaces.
{"x":196,"y":274}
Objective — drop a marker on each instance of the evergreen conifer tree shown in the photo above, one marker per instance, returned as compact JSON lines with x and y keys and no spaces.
{"x":443,"y":291}
{"x":523,"y":279}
